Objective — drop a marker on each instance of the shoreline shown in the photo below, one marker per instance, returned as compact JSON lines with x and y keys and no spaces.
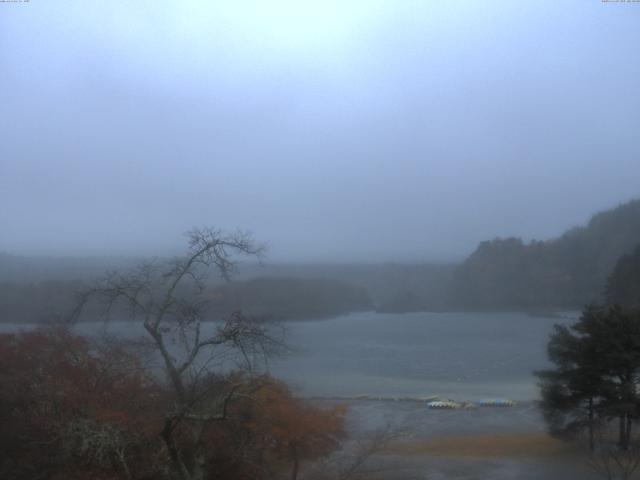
{"x":485,"y":446}
{"x":550,"y":313}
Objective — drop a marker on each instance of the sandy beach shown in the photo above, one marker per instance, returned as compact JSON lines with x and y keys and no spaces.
{"x":476,"y":444}
{"x":532,"y":444}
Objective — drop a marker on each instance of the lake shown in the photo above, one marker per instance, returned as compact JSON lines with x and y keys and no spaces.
{"x":466,"y":356}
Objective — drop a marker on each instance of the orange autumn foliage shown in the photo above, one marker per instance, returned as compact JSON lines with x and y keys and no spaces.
{"x":269,"y":433}
{"x":69,"y":405}
{"x":71,"y":408}
{"x":292,"y":423}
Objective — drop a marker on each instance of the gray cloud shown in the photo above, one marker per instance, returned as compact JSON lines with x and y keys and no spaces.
{"x":367,"y":131}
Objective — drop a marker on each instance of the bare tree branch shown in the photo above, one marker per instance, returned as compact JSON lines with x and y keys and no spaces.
{"x":169,"y":301}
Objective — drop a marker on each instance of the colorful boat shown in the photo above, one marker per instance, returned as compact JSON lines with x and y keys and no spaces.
{"x":444,"y":404}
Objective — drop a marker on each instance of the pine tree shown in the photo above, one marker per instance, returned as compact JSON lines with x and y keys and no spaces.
{"x":596,"y":376}
{"x":623,"y":285}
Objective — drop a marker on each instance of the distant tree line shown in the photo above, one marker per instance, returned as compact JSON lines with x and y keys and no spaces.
{"x":567,"y":272}
{"x":286,"y":298}
{"x":279,"y":298}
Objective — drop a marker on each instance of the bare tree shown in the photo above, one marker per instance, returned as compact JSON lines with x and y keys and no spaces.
{"x":614,"y":463}
{"x":169,"y":299}
{"x":102,"y":444}
{"x":609,"y":460}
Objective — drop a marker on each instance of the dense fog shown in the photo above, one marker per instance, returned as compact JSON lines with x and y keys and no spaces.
{"x":319,"y":240}
{"x":364,"y":130}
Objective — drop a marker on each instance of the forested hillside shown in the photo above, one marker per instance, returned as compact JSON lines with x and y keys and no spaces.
{"x":565,"y":272}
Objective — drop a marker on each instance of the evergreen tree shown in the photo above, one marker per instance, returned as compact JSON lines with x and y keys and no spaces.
{"x":597,"y":373}
{"x":623,"y":285}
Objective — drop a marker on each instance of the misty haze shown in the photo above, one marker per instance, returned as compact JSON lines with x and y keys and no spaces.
{"x":358,"y":240}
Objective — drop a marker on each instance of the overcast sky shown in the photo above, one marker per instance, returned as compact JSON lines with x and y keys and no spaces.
{"x":332,"y":129}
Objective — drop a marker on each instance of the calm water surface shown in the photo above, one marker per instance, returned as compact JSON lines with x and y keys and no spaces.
{"x":466,"y":356}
